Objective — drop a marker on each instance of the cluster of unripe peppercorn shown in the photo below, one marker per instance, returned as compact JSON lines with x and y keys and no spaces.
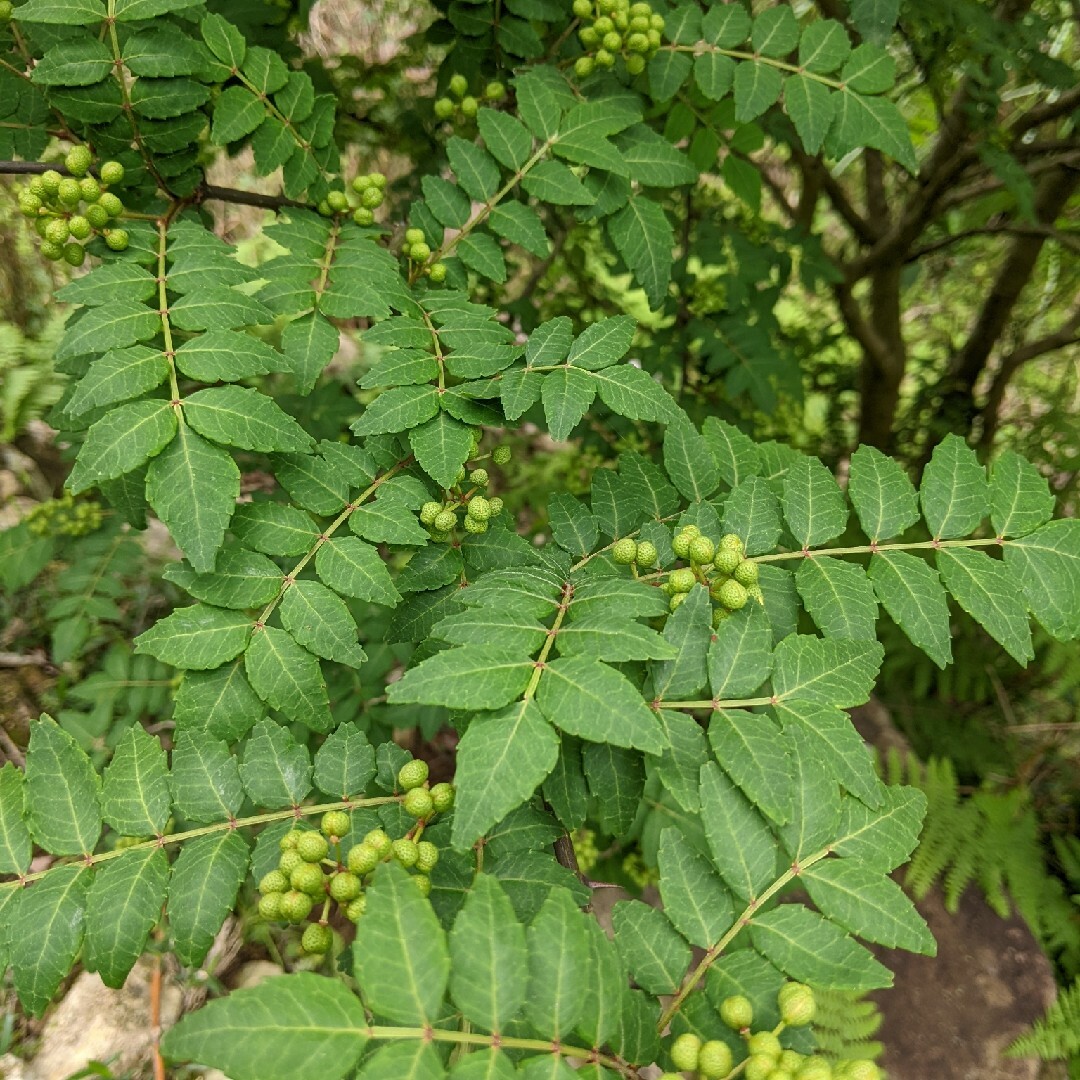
{"x":367,"y":195}
{"x":731,"y":578}
{"x":56,"y":204}
{"x":766,"y":1058}
{"x":417,"y":250}
{"x":460,"y":103}
{"x":65,"y":517}
{"x":313,"y":867}
{"x":613,"y":27}
{"x":441,"y":519}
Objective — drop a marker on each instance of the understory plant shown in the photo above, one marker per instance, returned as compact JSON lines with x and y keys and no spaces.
{"x":672,"y":659}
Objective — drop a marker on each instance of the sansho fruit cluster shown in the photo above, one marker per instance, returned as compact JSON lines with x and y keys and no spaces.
{"x":459,"y":104}
{"x":314,"y":868}
{"x":65,"y":517}
{"x":611,"y":28}
{"x":766,"y":1058}
{"x":731,"y":578}
{"x":441,"y":518}
{"x":69,"y":210}
{"x":364,"y":195}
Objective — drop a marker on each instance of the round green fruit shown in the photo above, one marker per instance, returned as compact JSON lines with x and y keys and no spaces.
{"x":612,"y":41}
{"x":500,"y":455}
{"x":412,"y":774}
{"x":479,"y":477}
{"x":758,"y":1067}
{"x":312,"y":847}
{"x":682,"y":580}
{"x":605,"y":58}
{"x":479,"y":508}
{"x":79,"y":227}
{"x":861,"y":1069}
{"x":362,"y":858}
{"x":289,"y":840}
{"x":52,"y":251}
{"x":422,"y":883}
{"x":765,"y":1044}
{"x":685,"y":1051}
{"x":681,"y":545}
{"x":676,"y":600}
{"x":737,"y":1012}
{"x":427,"y":855}
{"x":635,"y":64}
{"x":446,"y":520}
{"x":731,"y":542}
{"x":50,"y":181}
{"x":420,"y":252}
{"x":338,"y":201}
{"x":732,"y":595}
{"x":726,"y":561}
{"x":363,"y":215}
{"x":69,"y":193}
{"x":442,"y":797}
{"x":496,"y":505}
{"x":583,"y":9}
{"x":495,"y":91}
{"x":380,"y":842}
{"x":112,"y":172}
{"x":746,"y":573}
{"x":98,"y":216}
{"x":718,"y":616}
{"x":815,"y":1068}
{"x":372,"y":198}
{"x":90,"y":188}
{"x":444,"y":108}
{"x":475,"y":526}
{"x":638,"y":43}
{"x":29,"y":203}
{"x":117,"y":239}
{"x":275,"y":881}
{"x":111,"y":204}
{"x":429,"y":512}
{"x":356,"y":909}
{"x":270,"y":906}
{"x":405,"y":852}
{"x":458,"y":85}
{"x":417,"y":803}
{"x":344,"y":887}
{"x":790,"y":1061}
{"x":74,"y":254}
{"x":437,"y":273}
{"x":701,"y":550}
{"x":647,"y":555}
{"x":317,"y":939}
{"x":289,"y":861}
{"x":469,"y":106}
{"x":714,"y":1060}
{"x":57,"y":230}
{"x":797,"y":1006}
{"x":296,"y":906}
{"x":308,"y":878}
{"x":335,"y":823}
{"x":377,"y":180}
{"x":625,"y":551}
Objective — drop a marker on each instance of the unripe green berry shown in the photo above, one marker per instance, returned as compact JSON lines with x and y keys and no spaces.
{"x":479,"y":477}
{"x":52,"y":251}
{"x":625,"y":551}
{"x":654,"y":40}
{"x":676,"y":600}
{"x":98,"y":216}
{"x":690,"y":530}
{"x":270,"y":906}
{"x":79,"y":227}
{"x":682,"y":580}
{"x":641,"y":7}
{"x":714,"y":1060}
{"x":78,"y":160}
{"x":647,"y":555}
{"x":444,"y":108}
{"x":684,"y":1052}
{"x":335,"y":823}
{"x":500,"y":455}
{"x":405,"y":852}
{"x":746,"y":573}
{"x":356,"y":908}
{"x":638,"y":43}
{"x":731,"y":542}
{"x":296,"y":906}
{"x":117,"y":239}
{"x":57,"y":231}
{"x":656,"y":21}
{"x":469,"y":106}
{"x":377,"y":180}
{"x":442,"y":798}
{"x":639,"y":24}
{"x":701,"y":550}
{"x":446,"y":520}
{"x":50,"y":181}
{"x":338,"y":201}
{"x":362,"y":858}
{"x":495,"y":91}
{"x":758,"y":1067}
{"x":312,"y":847}
{"x":606,"y":7}
{"x":412,"y":774}
{"x":732,"y":595}
{"x":583,"y":9}
{"x":635,"y":63}
{"x":308,"y":878}
{"x":815,"y":1068}
{"x":429,"y":512}
{"x":69,"y":192}
{"x":496,"y":505}
{"x":36,"y":187}
{"x":317,"y":939}
{"x":414,"y":236}
{"x":422,"y":883}
{"x":726,"y":560}
{"x":7,"y":9}
{"x":344,"y":887}
{"x":417,"y":803}
{"x":420,"y":252}
{"x":111,"y":204}
{"x":371,"y":198}
{"x":112,"y":172}
{"x":605,"y":59}
{"x":765,"y":1043}
{"x":681,"y":545}
{"x":381,"y":843}
{"x":860,"y":1069}
{"x":29,"y":203}
{"x":90,"y":188}
{"x":458,"y":85}
{"x":427,"y":855}
{"x":289,"y":841}
{"x":737,"y":1012}
{"x":437,"y":273}
{"x":612,"y":41}
{"x":790,"y":1061}
{"x":755,"y":594}
{"x":603,"y":25}
{"x":363,"y":215}
{"x":475,"y":526}
{"x":275,"y":881}
{"x":588,"y":37}
{"x":797,"y":1005}
{"x":781,"y":1074}
{"x":289,"y":861}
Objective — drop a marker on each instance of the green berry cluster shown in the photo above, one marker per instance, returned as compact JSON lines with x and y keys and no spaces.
{"x":641,"y":552}
{"x":460,"y":104}
{"x":65,"y":517}
{"x":611,"y":28}
{"x":313,"y":868}
{"x":585,"y":850}
{"x":68,"y":210}
{"x":362,"y":198}
{"x":441,"y":518}
{"x":731,"y":578}
{"x":417,"y":250}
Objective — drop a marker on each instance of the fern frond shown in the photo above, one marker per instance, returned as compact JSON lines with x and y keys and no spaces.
{"x":1057,"y":1035}
{"x":845,"y":1024}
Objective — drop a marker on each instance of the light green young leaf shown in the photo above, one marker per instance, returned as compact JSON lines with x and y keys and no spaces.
{"x":123,"y":906}
{"x":199,"y":637}
{"x":832,"y":672}
{"x":318,"y":1029}
{"x":753,"y":752}
{"x":122,"y":440}
{"x":558,"y":955}
{"x":345,"y":763}
{"x":238,"y":416}
{"x":695,"y":899}
{"x":1020,"y":498}
{"x":319,"y":620}
{"x":62,"y":791}
{"x":911,"y":592}
{"x":839,"y":597}
{"x":15,"y":844}
{"x":954,"y":493}
{"x":810,"y":949}
{"x":135,"y":792}
{"x":400,"y":956}
{"x":655,"y":954}
{"x":986,"y":590}
{"x":1047,"y":565}
{"x":276,"y":770}
{"x":288,"y":678}
{"x":205,"y":779}
{"x":489,"y":960}
{"x":202,"y":891}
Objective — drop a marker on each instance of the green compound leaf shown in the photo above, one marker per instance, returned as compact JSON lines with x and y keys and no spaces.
{"x":911,"y":592}
{"x":319,"y":620}
{"x":601,"y":345}
{"x":868,"y":904}
{"x":400,"y":956}
{"x":755,"y":755}
{"x":585,"y":697}
{"x":489,"y":960}
{"x":124,"y":905}
{"x":220,"y":702}
{"x":839,"y":598}
{"x":193,"y":486}
{"x":810,"y":949}
{"x":601,"y":638}
{"x":63,"y":12}
{"x":1047,"y":565}
{"x":466,"y":678}
{"x":567,"y":393}
{"x":122,"y":440}
{"x":816,"y":798}
{"x":689,"y":463}
{"x":276,"y":770}
{"x":288,"y":678}
{"x":632,"y":392}
{"x":291,"y":1027}
{"x":832,"y":672}
{"x":206,"y":877}
{"x":743,"y":849}
{"x":409,"y":1060}
{"x":695,"y":899}
{"x":558,"y":954}
{"x":1020,"y":498}
{"x":650,"y":947}
{"x":242,"y":579}
{"x":15,"y":844}
{"x":135,"y":792}
{"x":237,"y":112}
{"x":205,"y":779}
{"x":688,"y":630}
{"x":954,"y":493}
{"x":46,"y":932}
{"x":823,"y":47}
{"x":987,"y":591}
{"x":506,"y":138}
{"x":345,"y":763}
{"x":572,"y":526}
{"x":237,"y":416}
{"x":119,"y":376}
{"x":198,"y":637}
{"x":501,"y":761}
{"x":62,"y":791}
{"x":756,"y":86}
{"x":97,"y":330}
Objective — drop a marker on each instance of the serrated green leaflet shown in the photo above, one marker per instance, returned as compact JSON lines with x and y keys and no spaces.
{"x":1047,"y":565}
{"x":689,"y":631}
{"x":814,"y":505}
{"x":62,"y":791}
{"x":816,"y":798}
{"x":205,"y":780}
{"x":115,"y":326}
{"x":567,"y":393}
{"x":643,"y":236}
{"x":353,"y":568}
{"x":319,"y":620}
{"x":752,"y":513}
{"x":832,"y":672}
{"x":602,"y":638}
{"x":465,"y":678}
{"x":839,"y":598}
{"x":135,"y":792}
{"x":911,"y":592}
{"x":695,"y":899}
{"x":345,"y":763}
{"x":572,"y":526}
{"x":15,"y":844}
{"x":654,"y":953}
{"x":883,"y":497}
{"x":221,"y":702}
{"x":740,"y":654}
{"x":1020,"y":498}
{"x":688,"y":462}
{"x":756,"y":756}
{"x":288,"y":678}
{"x":246,"y":418}
{"x":119,"y":376}
{"x":558,"y":948}
{"x":122,"y":440}
{"x":885,"y":837}
{"x":276,"y":770}
{"x":441,"y":446}
{"x":123,"y":906}
{"x":198,"y":637}
{"x":954,"y":492}
{"x":743,"y":848}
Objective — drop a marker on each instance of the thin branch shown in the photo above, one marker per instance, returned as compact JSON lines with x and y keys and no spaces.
{"x":246,"y":198}
{"x":1012,"y":228}
{"x":832,"y":187}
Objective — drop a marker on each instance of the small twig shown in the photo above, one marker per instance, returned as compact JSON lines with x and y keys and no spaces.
{"x":247,"y":198}
{"x":11,"y":750}
{"x":155,"y":1018}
